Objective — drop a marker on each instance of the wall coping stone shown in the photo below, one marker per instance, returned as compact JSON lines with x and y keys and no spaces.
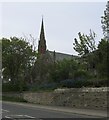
{"x":101,"y":89}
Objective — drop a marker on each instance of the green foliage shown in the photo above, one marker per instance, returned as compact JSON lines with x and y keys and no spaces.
{"x":58,"y":73}
{"x":9,"y":87}
{"x":13,"y":99}
{"x":41,"y":69}
{"x":105,"y":21}
{"x":43,"y":87}
{"x":89,"y":70}
{"x":85,"y":44}
{"x":102,"y":58}
{"x":63,"y":70}
{"x":81,"y":75}
{"x":6,"y":87}
{"x":17,"y":59}
{"x":95,"y":60}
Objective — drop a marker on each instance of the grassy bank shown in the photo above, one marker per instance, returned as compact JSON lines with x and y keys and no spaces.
{"x":13,"y":99}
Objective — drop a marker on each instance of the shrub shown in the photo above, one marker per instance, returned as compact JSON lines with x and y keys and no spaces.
{"x":41,"y":87}
{"x":15,"y":99}
{"x":81,"y":75}
{"x":70,"y":83}
{"x":6,"y":87}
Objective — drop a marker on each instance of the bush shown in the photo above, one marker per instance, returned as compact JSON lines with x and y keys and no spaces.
{"x":81,"y":75}
{"x":98,"y":82}
{"x":70,"y":83}
{"x":67,"y":83}
{"x":14,"y":99}
{"x":6,"y":87}
{"x":47,"y":86}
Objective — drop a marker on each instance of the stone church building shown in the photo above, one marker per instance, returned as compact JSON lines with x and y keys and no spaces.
{"x":45,"y":60}
{"x":42,"y":48}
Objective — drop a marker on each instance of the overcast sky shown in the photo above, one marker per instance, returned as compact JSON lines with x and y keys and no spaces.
{"x":62,"y":21}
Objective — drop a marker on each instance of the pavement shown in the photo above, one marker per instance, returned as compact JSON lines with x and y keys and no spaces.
{"x":80,"y":112}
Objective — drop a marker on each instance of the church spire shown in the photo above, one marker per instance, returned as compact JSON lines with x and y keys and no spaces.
{"x":42,"y":41}
{"x":42,"y":35}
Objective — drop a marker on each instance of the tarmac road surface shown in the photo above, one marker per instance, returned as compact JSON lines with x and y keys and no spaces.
{"x":23,"y":111}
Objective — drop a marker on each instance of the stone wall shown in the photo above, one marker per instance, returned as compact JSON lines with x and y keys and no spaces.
{"x":92,"y":98}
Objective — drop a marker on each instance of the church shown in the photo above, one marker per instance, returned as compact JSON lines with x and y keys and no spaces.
{"x":42,"y":48}
{"x":46,"y":60}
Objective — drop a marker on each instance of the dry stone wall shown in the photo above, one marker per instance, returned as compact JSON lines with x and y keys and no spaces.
{"x":92,"y":98}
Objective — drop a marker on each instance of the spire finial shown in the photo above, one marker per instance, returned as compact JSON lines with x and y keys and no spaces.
{"x":42,"y":16}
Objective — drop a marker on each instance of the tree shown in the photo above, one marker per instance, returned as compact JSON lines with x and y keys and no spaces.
{"x":17,"y":59}
{"x":0,"y":54}
{"x":105,"y":21}
{"x":85,"y":44}
{"x":41,"y":68}
{"x":105,"y":27}
{"x":102,"y":58}
{"x":63,"y":70}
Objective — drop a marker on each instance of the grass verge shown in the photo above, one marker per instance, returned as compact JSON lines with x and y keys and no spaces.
{"x":13,"y":99}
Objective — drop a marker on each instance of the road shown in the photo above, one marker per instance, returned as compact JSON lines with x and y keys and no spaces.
{"x":21,"y":110}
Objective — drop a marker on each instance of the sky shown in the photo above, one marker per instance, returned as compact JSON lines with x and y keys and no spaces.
{"x":62,"y":21}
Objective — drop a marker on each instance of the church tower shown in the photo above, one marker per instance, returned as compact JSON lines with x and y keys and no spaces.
{"x":42,"y":41}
